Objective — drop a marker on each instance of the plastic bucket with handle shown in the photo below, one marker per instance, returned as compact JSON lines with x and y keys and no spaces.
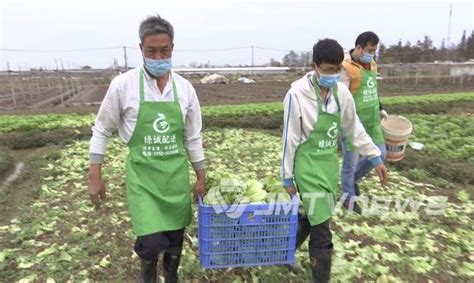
{"x":396,"y":130}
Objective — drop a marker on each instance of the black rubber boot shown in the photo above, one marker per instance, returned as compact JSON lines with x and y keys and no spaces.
{"x":171,"y":261}
{"x":148,"y":271}
{"x":321,"y":264}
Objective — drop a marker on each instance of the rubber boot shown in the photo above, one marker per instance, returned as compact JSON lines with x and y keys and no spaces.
{"x":320,"y":260}
{"x":171,"y":261}
{"x":148,"y":271}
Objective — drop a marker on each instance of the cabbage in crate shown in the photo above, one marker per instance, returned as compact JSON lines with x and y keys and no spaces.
{"x":234,"y":191}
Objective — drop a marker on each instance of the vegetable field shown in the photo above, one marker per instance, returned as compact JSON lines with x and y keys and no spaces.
{"x":54,"y":234}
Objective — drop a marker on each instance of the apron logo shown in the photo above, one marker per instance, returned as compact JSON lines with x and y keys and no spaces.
{"x":370,"y":82}
{"x":333,"y":131}
{"x":160,"y":125}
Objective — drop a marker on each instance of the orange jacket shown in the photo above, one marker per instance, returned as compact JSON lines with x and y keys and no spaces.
{"x":353,"y":70}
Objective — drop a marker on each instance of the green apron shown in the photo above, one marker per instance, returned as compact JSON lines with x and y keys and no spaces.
{"x":317,"y":164}
{"x":157,"y":176}
{"x":367,"y":106}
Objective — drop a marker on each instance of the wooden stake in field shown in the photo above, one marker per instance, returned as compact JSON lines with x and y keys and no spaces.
{"x":38,"y":85}
{"x":13,"y":92}
{"x":74,"y":90}
{"x":30,"y":88}
{"x":417,"y":75}
{"x":60,"y":91}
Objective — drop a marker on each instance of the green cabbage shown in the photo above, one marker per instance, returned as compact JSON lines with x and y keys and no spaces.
{"x":230,"y":190}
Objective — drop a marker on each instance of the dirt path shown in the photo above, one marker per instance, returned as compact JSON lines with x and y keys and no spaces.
{"x":234,"y":93}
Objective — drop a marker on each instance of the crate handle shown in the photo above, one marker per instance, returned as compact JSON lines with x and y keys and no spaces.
{"x":251,"y":217}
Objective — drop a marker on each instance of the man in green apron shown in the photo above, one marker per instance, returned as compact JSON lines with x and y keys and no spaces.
{"x":157,"y":114}
{"x":360,"y":76}
{"x":317,"y":108}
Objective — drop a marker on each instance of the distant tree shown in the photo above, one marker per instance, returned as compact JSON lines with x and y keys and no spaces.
{"x":428,"y":50}
{"x":422,"y":51}
{"x":408,"y":54}
{"x":86,"y":67}
{"x":443,"y":51}
{"x":399,"y":51}
{"x":305,"y":59}
{"x":427,"y":43}
{"x":462,"y":47}
{"x":293,"y":59}
{"x":470,"y":46}
{"x":274,"y":63}
{"x":382,"y":50}
{"x":115,"y":64}
{"x":290,"y":59}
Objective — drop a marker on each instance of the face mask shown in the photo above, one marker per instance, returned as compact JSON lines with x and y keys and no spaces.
{"x":328,"y":81}
{"x":158,"y":68}
{"x":366,"y":58}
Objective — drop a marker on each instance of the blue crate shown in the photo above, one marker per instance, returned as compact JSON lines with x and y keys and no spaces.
{"x":262,"y":235}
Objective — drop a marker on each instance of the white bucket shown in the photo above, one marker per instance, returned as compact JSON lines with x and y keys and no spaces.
{"x":396,"y":130}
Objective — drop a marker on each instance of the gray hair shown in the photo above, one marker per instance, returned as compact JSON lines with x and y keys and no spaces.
{"x":155,"y":25}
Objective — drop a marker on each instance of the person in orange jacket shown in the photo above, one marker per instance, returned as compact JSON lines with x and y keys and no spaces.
{"x":360,"y":76}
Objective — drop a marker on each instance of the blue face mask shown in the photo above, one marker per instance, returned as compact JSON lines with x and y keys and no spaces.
{"x":157,"y":68}
{"x":328,"y":81}
{"x":366,"y":58}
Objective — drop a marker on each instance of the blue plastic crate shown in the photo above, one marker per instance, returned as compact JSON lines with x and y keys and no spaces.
{"x":262,"y":234}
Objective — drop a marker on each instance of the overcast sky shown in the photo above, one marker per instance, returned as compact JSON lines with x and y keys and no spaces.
{"x":202,"y":25}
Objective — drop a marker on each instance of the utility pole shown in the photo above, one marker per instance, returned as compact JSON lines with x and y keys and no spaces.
{"x":125,"y":57}
{"x":449,"y":26}
{"x":252,"y":55}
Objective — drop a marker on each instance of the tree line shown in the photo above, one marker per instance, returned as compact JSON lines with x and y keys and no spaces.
{"x":422,"y":51}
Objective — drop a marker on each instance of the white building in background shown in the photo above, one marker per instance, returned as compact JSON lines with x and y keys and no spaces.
{"x":462,"y":69}
{"x":236,"y":70}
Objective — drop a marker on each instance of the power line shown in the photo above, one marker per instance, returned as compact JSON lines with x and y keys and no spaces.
{"x":277,"y":49}
{"x":68,"y":50}
{"x":124,"y":48}
{"x":203,"y":50}
{"x":216,"y":49}
{"x":272,"y":49}
{"x":136,"y":48}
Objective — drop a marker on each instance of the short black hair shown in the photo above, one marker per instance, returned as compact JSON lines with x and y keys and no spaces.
{"x":328,"y":51}
{"x":367,"y":37}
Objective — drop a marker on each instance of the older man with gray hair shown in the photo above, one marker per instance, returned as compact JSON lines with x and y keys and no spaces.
{"x":158,"y":116}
